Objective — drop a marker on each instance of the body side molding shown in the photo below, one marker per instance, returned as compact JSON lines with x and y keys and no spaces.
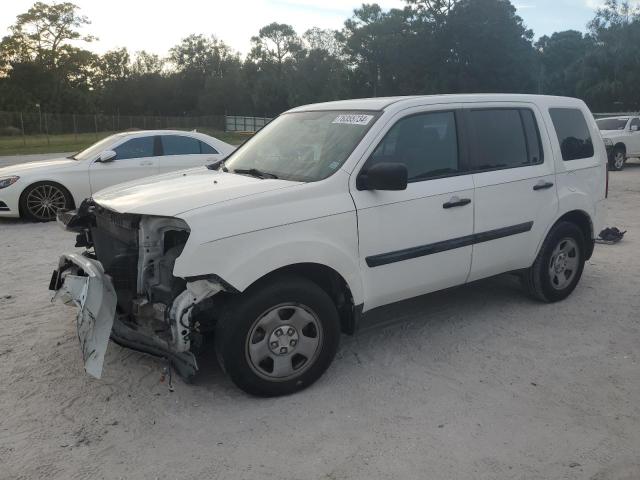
{"x":431,"y":248}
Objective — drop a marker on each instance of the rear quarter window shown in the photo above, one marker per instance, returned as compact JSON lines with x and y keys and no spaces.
{"x":573,"y":133}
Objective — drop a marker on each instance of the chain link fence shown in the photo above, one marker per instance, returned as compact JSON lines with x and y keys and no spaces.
{"x":237,"y":123}
{"x":20,"y":124}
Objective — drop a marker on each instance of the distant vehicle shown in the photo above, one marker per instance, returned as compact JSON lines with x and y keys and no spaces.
{"x":329,"y":212}
{"x":621,"y":136}
{"x":37,"y":190}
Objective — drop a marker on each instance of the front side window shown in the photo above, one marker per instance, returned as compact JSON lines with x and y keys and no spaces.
{"x":179,"y":145}
{"x":573,"y":133}
{"x":303,"y":146}
{"x":427,"y":144}
{"x":135,"y":148}
{"x":504,"y":138}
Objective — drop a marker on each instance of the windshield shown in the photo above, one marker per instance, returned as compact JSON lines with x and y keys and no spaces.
{"x":94,"y":149}
{"x":303,"y":146}
{"x":612,"y":123}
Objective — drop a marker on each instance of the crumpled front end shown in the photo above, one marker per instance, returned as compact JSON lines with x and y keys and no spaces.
{"x":124,"y":288}
{"x":81,"y":281}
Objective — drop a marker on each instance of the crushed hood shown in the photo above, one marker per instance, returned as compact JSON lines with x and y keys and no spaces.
{"x":50,"y":165}
{"x":177,"y":192}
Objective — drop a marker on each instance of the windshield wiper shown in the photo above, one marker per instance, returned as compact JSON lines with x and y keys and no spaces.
{"x":254,"y":172}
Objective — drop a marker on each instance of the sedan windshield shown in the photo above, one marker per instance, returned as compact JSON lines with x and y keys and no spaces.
{"x":302,"y":146}
{"x":94,"y":149}
{"x":612,"y":123}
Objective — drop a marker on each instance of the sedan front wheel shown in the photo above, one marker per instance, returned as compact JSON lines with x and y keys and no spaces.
{"x":41,"y":201}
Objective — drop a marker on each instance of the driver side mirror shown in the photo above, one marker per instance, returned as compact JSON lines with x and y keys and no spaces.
{"x":634,"y":128}
{"x":383,"y":176}
{"x":107,"y":156}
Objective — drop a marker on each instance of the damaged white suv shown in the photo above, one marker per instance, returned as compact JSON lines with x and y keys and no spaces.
{"x":331,"y":211}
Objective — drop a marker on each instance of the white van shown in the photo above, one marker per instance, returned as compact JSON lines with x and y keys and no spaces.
{"x":328,"y":212}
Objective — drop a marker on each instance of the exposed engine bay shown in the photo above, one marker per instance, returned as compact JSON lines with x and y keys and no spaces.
{"x":155,"y":312}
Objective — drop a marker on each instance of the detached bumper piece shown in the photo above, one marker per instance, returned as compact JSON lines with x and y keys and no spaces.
{"x":81,"y":281}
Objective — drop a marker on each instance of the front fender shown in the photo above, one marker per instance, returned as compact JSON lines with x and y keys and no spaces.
{"x":240,"y":260}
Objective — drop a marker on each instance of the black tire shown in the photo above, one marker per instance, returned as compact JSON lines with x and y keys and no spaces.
{"x":541,"y":279}
{"x":40,"y":201}
{"x":618,"y":159}
{"x":240,"y":324}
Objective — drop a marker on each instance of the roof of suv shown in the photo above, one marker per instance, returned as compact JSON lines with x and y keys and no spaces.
{"x":384,"y":103}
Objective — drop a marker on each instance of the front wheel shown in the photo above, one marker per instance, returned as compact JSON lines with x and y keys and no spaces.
{"x":559,"y":264}
{"x":278,"y":337}
{"x":41,"y":201}
{"x":618,"y":160}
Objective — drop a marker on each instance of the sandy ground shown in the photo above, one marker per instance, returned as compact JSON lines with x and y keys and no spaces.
{"x":478,"y":382}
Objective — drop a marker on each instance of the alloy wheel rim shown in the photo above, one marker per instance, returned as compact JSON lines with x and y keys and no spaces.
{"x":44,"y":201}
{"x":619,"y":160}
{"x":284,"y":342}
{"x":564,"y":263}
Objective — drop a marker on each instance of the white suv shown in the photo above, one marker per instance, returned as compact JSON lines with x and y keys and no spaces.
{"x":621,"y":136}
{"x":330,"y":211}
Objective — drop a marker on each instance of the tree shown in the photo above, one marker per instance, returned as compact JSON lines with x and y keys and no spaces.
{"x":276,"y":43}
{"x":561,"y":58}
{"x":146,"y":63}
{"x":490,"y":48}
{"x":114,"y":65}
{"x":323,"y":39}
{"x":39,"y":42}
{"x":381,"y":47}
{"x":611,"y":66}
{"x":43,"y":32}
{"x":201,"y":55}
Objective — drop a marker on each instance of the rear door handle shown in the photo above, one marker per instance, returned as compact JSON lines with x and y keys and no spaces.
{"x":456,"y":202}
{"x":542,"y":185}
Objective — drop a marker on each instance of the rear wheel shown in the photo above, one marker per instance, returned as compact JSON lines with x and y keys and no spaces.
{"x":41,"y":201}
{"x":618,"y":160}
{"x":278,"y":337}
{"x":558,"y":267}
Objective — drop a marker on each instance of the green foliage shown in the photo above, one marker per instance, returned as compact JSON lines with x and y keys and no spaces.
{"x":429,"y":46}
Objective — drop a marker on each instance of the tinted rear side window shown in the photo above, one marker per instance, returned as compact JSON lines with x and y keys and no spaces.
{"x":504,"y":138}
{"x":573,"y":133}
{"x":179,"y":145}
{"x":206,"y":148}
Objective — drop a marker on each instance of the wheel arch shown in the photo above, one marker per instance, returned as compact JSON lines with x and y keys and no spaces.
{"x":583,"y":221}
{"x":620,"y":145}
{"x":332,"y":282}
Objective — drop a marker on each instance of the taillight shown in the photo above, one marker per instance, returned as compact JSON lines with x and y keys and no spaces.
{"x":606,"y":189}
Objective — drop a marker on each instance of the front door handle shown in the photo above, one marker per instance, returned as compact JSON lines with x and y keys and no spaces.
{"x":542,"y":185}
{"x":146,"y":163}
{"x":456,"y":202}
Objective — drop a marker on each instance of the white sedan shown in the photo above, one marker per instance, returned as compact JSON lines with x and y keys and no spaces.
{"x":37,"y":190}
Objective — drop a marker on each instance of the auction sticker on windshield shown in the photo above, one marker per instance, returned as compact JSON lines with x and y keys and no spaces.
{"x":353,"y":119}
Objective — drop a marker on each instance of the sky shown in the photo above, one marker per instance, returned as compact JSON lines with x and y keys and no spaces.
{"x":156,"y":26}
